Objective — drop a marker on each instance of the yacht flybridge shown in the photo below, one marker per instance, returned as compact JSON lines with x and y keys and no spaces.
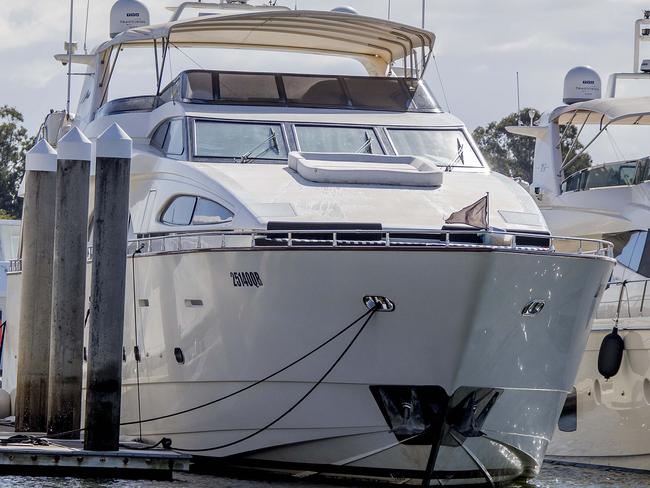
{"x":290,"y":253}
{"x":604,"y":421}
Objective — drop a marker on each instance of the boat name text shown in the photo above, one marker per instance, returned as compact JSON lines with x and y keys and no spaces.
{"x":240,"y":279}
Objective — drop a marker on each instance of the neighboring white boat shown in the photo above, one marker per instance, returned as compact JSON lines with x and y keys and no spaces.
{"x":605,"y":421}
{"x":268,"y":209}
{"x":9,"y":246}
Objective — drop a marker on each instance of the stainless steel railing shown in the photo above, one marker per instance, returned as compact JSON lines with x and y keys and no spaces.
{"x":328,"y":238}
{"x":626,"y":299}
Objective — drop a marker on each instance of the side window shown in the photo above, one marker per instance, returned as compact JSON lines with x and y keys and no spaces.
{"x":632,"y":250}
{"x":180,"y":211}
{"x":158,"y":138}
{"x":174,"y":143}
{"x":209,"y":212}
{"x":189,"y":210}
{"x":169,"y":137}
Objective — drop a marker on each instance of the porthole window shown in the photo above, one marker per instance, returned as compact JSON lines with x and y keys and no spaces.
{"x":190,"y":210}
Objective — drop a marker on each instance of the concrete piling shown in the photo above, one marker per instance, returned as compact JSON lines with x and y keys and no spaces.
{"x":111,"y":214}
{"x":69,"y":283}
{"x":36,"y":291}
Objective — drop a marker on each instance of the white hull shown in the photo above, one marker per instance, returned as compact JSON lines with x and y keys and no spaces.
{"x":613,"y":415}
{"x":458,"y":324}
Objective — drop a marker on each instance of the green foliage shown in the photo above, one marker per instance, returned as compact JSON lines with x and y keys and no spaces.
{"x":512,"y":155}
{"x":14,"y":144}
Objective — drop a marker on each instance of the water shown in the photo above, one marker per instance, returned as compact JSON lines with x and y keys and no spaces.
{"x":552,"y":476}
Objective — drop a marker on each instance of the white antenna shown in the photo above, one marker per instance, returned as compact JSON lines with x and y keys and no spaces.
{"x":518,"y":102}
{"x":67,"y":105}
{"x":424,"y":11}
{"x":86,"y":28}
{"x":388,"y":9}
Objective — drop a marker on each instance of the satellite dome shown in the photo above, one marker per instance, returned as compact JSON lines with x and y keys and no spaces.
{"x":581,"y":83}
{"x":345,"y":10}
{"x":127,"y":14}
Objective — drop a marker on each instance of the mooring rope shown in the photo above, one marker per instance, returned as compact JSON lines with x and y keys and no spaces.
{"x":370,"y":314}
{"x":366,"y":314}
{"x":136,"y":350}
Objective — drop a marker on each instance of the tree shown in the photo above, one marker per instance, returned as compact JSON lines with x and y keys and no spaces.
{"x":14,"y":144}
{"x":512,"y":155}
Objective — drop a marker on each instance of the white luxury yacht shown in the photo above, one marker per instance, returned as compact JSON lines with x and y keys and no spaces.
{"x":270,"y":208}
{"x":605,"y":420}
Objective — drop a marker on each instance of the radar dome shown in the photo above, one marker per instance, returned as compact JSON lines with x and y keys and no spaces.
{"x":345,"y":10}
{"x":581,"y":83}
{"x":127,"y":14}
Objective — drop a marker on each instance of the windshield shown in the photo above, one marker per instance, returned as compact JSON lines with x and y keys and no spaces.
{"x":444,"y":147}
{"x":242,"y":142}
{"x":362,"y":140}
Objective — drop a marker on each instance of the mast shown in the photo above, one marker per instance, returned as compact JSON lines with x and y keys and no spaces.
{"x":67,"y":104}
{"x":424,"y":11}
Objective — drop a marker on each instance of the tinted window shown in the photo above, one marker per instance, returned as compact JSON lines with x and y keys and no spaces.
{"x":572,"y":183}
{"x":236,"y":140}
{"x":611,"y":175}
{"x":200,"y":86}
{"x":368,"y":92}
{"x":180,"y":211}
{"x":174,"y":141}
{"x":314,"y":91}
{"x":636,"y":253}
{"x":443,"y":147}
{"x":248,"y":87}
{"x":363,"y":93}
{"x":209,"y":212}
{"x":158,"y":138}
{"x":644,"y":170}
{"x":191,"y":210}
{"x":338,"y":139}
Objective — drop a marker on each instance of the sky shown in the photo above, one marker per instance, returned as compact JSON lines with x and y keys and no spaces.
{"x":480,"y":46}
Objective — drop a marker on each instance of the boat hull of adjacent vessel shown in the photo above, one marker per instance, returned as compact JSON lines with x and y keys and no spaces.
{"x":459,"y":381}
{"x":607,"y":423}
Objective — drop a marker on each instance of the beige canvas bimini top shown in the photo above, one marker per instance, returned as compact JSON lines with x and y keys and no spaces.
{"x":383,"y":41}
{"x":606,"y":111}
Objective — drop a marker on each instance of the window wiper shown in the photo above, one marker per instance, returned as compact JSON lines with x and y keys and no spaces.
{"x":366,"y":146}
{"x":248,"y":157}
{"x":459,"y":157}
{"x":451,"y":163}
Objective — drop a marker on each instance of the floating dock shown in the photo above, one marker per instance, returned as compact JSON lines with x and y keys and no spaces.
{"x":68,"y":458}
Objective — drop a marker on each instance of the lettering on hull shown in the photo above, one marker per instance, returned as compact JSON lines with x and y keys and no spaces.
{"x":246,"y":279}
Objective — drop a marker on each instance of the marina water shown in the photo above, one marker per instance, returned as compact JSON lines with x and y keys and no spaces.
{"x":551,"y":476}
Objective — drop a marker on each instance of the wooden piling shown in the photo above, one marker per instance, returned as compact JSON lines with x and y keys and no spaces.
{"x":69,"y":284}
{"x":36,"y":291}
{"x":111,"y":216}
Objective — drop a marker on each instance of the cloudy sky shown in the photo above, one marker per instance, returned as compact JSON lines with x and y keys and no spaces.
{"x":480,"y":46}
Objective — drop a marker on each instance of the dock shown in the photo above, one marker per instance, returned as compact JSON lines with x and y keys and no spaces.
{"x":37,"y":456}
